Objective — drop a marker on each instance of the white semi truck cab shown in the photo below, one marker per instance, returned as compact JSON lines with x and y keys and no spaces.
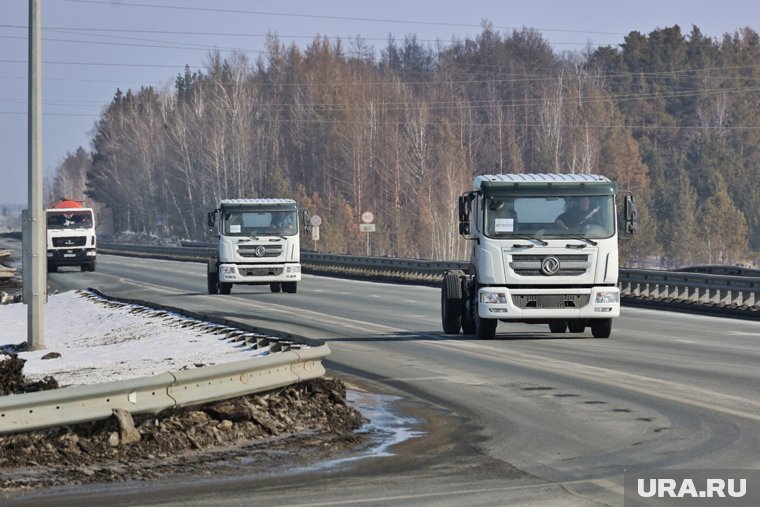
{"x":543,"y":251}
{"x":70,"y":236}
{"x":259,"y":244}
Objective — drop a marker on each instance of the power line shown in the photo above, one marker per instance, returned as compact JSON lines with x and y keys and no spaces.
{"x":339,"y":18}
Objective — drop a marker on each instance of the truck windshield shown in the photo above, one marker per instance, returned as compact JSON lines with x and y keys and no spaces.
{"x":591,"y":217}
{"x":260,"y":223}
{"x":69,"y":219}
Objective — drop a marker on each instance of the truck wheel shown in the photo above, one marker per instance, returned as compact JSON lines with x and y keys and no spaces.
{"x":558,"y":326}
{"x":290,"y":287}
{"x":601,"y":328}
{"x":275,"y":287}
{"x":225,"y":288}
{"x":212,"y":280}
{"x":451,"y":304}
{"x":485,"y":329}
{"x":91,"y":267}
{"x":468,"y":320}
{"x":576,"y":326}
{"x":52,"y":268}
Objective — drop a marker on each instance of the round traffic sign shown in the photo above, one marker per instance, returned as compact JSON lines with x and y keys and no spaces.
{"x":316,"y":220}
{"x":368,"y":217}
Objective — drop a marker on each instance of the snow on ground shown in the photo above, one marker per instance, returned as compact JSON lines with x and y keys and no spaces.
{"x":100,"y":341}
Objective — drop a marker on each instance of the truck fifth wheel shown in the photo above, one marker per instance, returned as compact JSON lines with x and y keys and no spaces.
{"x":544,"y":250}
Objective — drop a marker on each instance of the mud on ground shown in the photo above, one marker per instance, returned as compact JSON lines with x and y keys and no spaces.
{"x":275,"y":431}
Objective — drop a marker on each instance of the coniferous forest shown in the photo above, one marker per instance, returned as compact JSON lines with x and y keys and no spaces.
{"x":402,"y":130}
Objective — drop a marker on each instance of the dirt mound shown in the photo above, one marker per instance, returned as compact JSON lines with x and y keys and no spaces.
{"x":12,"y":379}
{"x":292,"y":426}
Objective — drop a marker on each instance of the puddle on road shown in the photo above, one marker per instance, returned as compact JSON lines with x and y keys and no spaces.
{"x":385,"y":428}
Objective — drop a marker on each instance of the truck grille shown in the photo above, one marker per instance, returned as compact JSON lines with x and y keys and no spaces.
{"x":70,"y":242}
{"x":569,"y":264}
{"x":249,"y":251}
{"x":550,"y":301}
{"x":273,"y":271}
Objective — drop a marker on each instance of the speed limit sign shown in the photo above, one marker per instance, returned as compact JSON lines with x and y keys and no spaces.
{"x":368,"y":217}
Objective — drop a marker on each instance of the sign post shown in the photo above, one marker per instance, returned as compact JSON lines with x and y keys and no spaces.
{"x":316,"y":221}
{"x":367,"y":226}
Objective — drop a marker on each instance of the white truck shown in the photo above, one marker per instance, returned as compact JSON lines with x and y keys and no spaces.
{"x":71,"y":239}
{"x":544,"y":251}
{"x":259,"y":244}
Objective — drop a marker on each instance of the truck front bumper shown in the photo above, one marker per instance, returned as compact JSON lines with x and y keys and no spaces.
{"x":502,"y":303}
{"x":259,"y":273}
{"x":71,"y":256}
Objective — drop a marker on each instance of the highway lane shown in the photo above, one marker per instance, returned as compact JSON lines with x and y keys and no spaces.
{"x":526,"y":417}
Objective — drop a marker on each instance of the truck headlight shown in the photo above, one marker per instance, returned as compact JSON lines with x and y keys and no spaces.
{"x":603,"y":296}
{"x":499,"y":298}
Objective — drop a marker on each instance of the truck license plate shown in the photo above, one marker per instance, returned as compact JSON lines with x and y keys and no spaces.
{"x":69,"y":255}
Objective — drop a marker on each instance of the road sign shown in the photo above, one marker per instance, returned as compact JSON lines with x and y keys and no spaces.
{"x":368,"y":217}
{"x":367,"y":227}
{"x":315,"y":233}
{"x":316,"y":220}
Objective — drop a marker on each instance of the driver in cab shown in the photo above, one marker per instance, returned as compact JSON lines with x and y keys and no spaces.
{"x":578,"y":211}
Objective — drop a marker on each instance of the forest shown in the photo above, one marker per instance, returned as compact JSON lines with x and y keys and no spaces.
{"x":401,"y":131}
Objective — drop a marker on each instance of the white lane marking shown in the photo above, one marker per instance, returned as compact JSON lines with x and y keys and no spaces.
{"x":374,"y":296}
{"x":409,"y":301}
{"x":685,"y":341}
{"x":668,"y":390}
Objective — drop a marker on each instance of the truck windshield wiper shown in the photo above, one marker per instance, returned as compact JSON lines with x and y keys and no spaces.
{"x":582,"y":238}
{"x":530,"y":238}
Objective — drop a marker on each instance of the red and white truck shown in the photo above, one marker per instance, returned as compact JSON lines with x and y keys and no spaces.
{"x":70,"y":236}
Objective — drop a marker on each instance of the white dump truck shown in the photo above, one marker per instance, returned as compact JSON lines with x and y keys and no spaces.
{"x":71,"y":239}
{"x":259,"y":244}
{"x":544,"y":250}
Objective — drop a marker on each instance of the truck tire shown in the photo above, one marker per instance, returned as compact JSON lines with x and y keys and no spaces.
{"x":576,"y":326}
{"x":451,"y":303}
{"x":275,"y":287}
{"x":290,"y":287}
{"x":559,"y":326}
{"x":601,"y":328}
{"x":485,"y":329}
{"x":225,"y":288}
{"x":468,"y":319}
{"x":212,"y":278}
{"x":52,"y":268}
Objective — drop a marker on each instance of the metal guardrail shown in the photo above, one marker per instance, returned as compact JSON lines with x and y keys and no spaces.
{"x":172,"y":389}
{"x":286,"y":362}
{"x":709,"y":289}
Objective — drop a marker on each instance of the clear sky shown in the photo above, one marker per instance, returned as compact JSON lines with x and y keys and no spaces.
{"x":91,"y":47}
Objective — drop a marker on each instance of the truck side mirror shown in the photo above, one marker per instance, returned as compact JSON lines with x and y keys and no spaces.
{"x":464,"y":228}
{"x":212,"y":219}
{"x":306,"y":220}
{"x":464,"y":207}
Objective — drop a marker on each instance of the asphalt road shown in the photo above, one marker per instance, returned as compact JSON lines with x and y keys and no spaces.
{"x":528,"y":418}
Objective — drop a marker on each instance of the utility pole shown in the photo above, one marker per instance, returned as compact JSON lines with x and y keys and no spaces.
{"x":35,"y":249}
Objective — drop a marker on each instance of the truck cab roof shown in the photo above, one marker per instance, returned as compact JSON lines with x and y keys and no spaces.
{"x":545,"y":184}
{"x":258,"y":202}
